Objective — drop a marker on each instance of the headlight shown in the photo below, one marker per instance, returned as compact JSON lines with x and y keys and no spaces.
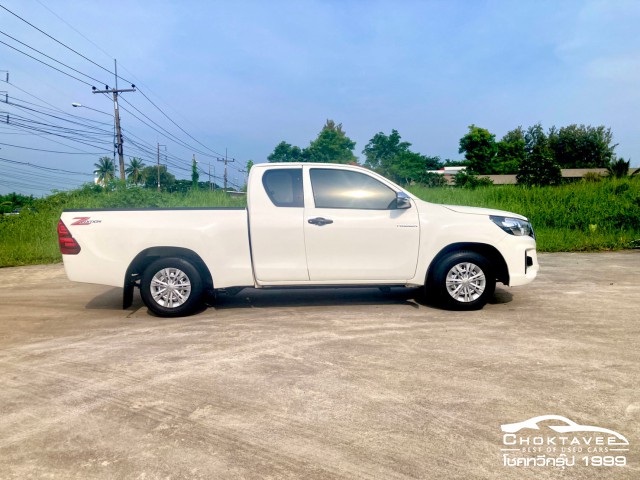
{"x":513,"y":226}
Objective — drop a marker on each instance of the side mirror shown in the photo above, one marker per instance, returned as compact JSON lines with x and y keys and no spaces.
{"x":403,"y":200}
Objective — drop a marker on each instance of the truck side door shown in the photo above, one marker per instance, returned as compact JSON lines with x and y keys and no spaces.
{"x":353,"y":230}
{"x":276,"y":216}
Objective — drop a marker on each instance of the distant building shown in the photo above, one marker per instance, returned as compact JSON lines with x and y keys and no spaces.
{"x":569,"y":174}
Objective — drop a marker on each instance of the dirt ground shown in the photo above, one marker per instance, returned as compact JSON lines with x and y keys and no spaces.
{"x":316,"y":384}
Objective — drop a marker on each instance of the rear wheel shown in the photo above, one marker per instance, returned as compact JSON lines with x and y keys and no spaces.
{"x":463,"y":281}
{"x":171,"y":287}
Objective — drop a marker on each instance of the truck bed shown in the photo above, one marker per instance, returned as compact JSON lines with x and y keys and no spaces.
{"x":110,"y":239}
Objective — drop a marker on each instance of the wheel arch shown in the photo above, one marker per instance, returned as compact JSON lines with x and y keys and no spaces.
{"x":149,"y":255}
{"x":490,"y":252}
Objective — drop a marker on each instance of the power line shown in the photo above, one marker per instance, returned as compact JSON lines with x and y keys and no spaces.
{"x":33,"y":165}
{"x":58,"y":41}
{"x":182,"y":129}
{"x":50,"y":58}
{"x":65,"y":132}
{"x":45,"y":133}
{"x":41,"y":130}
{"x":59,"y":128}
{"x":74,"y":29}
{"x":36,"y":97}
{"x":15,"y":99}
{"x":112,"y":73}
{"x":47,"y":151}
{"x":44,"y":136}
{"x":45,"y":63}
{"x":57,"y":117}
{"x":164,"y":131}
{"x":20,"y":187}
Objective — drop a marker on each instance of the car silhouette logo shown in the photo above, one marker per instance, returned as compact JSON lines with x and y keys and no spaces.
{"x":569,"y":427}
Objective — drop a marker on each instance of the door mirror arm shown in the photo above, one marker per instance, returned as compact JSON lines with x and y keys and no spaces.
{"x":402,"y":200}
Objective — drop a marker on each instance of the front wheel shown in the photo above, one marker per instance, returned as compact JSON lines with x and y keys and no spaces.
{"x":463,"y":281}
{"x":171,"y":287}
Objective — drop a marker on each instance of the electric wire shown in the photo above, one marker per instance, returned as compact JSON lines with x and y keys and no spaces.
{"x":49,"y":57}
{"x":182,"y":129}
{"x":57,"y":117}
{"x":42,"y":167}
{"x":15,"y":99}
{"x":45,"y":63}
{"x":57,"y":41}
{"x":179,"y":141}
{"x":47,"y":151}
{"x":68,"y":133}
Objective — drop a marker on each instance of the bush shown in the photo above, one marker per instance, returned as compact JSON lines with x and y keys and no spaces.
{"x":432,"y":180}
{"x":591,"y":177}
{"x":468,"y":180}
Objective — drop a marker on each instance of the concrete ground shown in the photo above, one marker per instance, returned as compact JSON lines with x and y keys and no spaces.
{"x":314,"y":384}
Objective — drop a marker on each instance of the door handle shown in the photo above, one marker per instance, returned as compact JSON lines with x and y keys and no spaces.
{"x":320,"y":221}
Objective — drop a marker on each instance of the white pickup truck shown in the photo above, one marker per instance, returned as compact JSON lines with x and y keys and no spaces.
{"x":305,"y":225}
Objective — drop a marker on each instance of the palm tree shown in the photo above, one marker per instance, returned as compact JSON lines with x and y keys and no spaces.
{"x":105,"y":169}
{"x":134,"y":170}
{"x":618,"y":168}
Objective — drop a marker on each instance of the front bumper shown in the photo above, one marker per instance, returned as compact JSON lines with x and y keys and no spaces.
{"x":521,"y":258}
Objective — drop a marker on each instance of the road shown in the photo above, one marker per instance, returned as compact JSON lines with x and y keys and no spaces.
{"x":315,"y":384}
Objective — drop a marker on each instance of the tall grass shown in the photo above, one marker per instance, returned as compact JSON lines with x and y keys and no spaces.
{"x":574,"y":217}
{"x":31,"y":238}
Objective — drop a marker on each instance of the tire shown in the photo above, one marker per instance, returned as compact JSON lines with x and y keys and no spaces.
{"x":463,"y":280}
{"x":171,"y":287}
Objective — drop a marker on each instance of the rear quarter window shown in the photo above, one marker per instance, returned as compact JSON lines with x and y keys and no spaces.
{"x":284,"y":187}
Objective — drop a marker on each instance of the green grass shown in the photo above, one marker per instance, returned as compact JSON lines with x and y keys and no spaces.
{"x":575,"y":217}
{"x":30,"y":238}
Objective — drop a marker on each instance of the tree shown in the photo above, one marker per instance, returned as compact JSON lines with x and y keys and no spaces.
{"x":391,"y":157}
{"x":105,"y":170}
{"x":620,"y":168}
{"x":150,"y":174}
{"x":194,"y":173}
{"x":382,"y":150}
{"x":134,"y":170}
{"x":582,"y":146}
{"x":510,"y":152}
{"x":433,"y":163}
{"x":479,"y":148}
{"x":284,"y":152}
{"x":331,"y":146}
{"x":249,"y":165}
{"x":538,"y":167}
{"x":13,"y":200}
{"x":408,"y":167}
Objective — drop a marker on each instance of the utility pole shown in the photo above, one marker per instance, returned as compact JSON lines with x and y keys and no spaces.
{"x":159,"y":164}
{"x":210,"y":185}
{"x":226,"y":160}
{"x":6,"y":97}
{"x":116,"y":113}
{"x":244,"y":176}
{"x":6,"y":94}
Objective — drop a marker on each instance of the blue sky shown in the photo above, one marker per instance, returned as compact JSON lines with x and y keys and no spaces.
{"x":245,"y":75}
